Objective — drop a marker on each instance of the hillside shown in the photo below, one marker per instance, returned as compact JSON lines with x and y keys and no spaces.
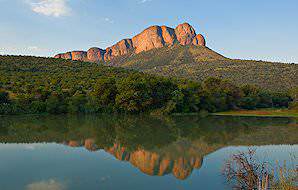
{"x":181,"y":52}
{"x":199,"y":63}
{"x":30,"y":85}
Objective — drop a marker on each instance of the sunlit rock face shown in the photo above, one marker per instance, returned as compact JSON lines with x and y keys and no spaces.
{"x":154,"y":37}
{"x":121,"y":48}
{"x":58,"y":56}
{"x":66,"y":55}
{"x":199,"y":40}
{"x":168,"y":35}
{"x":151,"y":38}
{"x":95,"y":54}
{"x":79,"y":55}
{"x":185,"y":33}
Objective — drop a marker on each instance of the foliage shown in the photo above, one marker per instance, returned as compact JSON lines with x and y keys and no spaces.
{"x":245,"y":171}
{"x":45,"y":85}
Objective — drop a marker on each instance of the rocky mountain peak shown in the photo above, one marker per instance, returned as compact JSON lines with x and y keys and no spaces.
{"x":151,"y":38}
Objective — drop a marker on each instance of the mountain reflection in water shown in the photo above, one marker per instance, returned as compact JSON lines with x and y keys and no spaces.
{"x":156,"y":146}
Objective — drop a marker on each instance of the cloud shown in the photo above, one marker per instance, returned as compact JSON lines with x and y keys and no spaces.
{"x":50,"y":184}
{"x":54,"y":8}
{"x":108,"y":20}
{"x":23,"y":50}
{"x":144,"y":1}
{"x":32,"y":48}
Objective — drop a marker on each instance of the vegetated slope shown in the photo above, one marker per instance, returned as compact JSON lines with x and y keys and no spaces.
{"x":32,"y":85}
{"x":199,"y":63}
{"x":23,"y":74}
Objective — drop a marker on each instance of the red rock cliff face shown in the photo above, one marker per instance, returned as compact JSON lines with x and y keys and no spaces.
{"x":66,"y":55}
{"x":79,"y":56}
{"x":151,"y":38}
{"x":95,"y":54}
{"x":185,"y":33}
{"x":154,"y":37}
{"x":199,"y":40}
{"x":121,"y":48}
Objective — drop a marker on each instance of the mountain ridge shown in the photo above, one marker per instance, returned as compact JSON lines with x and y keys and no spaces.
{"x":153,"y":37}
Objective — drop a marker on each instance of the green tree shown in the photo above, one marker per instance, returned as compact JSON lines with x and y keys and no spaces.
{"x":4,"y":97}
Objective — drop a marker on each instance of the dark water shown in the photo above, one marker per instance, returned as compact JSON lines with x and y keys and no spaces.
{"x":126,"y":152}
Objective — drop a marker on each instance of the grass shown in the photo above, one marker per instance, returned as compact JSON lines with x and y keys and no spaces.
{"x":262,"y":113}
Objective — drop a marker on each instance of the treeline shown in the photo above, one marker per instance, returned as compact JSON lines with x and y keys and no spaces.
{"x":40,"y":85}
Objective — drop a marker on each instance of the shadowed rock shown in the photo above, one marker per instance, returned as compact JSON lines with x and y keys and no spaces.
{"x":168,"y":35}
{"x":199,"y":40}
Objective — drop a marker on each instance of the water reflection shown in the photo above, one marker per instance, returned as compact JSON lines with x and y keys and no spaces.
{"x":156,"y":146}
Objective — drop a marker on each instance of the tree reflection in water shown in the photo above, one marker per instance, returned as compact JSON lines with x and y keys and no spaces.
{"x":156,"y":146}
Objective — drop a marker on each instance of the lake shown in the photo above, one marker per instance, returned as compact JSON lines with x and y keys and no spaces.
{"x":135,"y":152}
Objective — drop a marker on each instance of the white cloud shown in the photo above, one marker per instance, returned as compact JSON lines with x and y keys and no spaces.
{"x":32,"y":48}
{"x":109,"y":20}
{"x":54,"y":8}
{"x":144,"y":1}
{"x":23,"y":50}
{"x":46,"y":185}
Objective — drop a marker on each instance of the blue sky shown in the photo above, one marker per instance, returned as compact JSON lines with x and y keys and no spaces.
{"x":246,"y":29}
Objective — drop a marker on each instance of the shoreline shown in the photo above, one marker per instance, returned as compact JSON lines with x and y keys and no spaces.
{"x":260,"y":113}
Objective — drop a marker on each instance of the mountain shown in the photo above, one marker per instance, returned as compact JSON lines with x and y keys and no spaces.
{"x":200,"y":63}
{"x":180,"y":52}
{"x":151,"y":38}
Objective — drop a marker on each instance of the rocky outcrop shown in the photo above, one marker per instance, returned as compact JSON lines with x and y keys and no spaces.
{"x":63,"y":55}
{"x":58,"y":56}
{"x":154,"y":37}
{"x":199,"y":40}
{"x":121,"y":48}
{"x":95,"y":54}
{"x":79,"y":55}
{"x":168,"y":35}
{"x":185,"y":33}
{"x":151,"y":38}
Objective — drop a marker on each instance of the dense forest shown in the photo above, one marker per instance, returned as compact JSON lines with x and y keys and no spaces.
{"x":30,"y":85}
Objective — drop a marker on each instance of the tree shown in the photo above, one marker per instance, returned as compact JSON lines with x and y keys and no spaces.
{"x":4,"y":97}
{"x":105,"y":92}
{"x":134,"y":94}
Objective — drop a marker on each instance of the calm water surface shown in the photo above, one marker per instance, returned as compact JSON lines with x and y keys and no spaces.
{"x":126,"y":152}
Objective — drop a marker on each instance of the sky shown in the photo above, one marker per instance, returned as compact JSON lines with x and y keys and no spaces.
{"x":242,"y":29}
